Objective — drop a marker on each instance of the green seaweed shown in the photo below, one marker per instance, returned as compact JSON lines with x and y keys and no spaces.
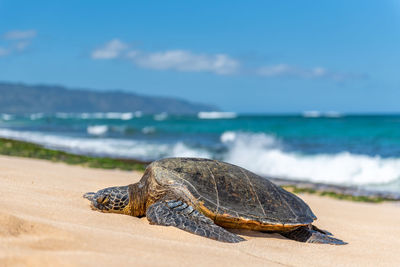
{"x":24,"y":149}
{"x":369,"y":199}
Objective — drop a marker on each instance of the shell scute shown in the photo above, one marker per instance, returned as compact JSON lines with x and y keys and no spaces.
{"x":228,"y":192}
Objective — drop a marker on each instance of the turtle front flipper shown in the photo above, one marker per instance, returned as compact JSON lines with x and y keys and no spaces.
{"x":183,"y":216}
{"x":308,"y":235}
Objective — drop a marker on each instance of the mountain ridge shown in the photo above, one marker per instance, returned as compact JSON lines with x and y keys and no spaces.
{"x":21,"y":98}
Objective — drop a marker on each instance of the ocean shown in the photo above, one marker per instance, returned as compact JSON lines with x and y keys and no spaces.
{"x":332,"y":148}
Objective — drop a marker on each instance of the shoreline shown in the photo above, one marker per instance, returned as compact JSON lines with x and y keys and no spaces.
{"x":351,"y":193}
{"x":12,"y":147}
{"x":45,"y":221}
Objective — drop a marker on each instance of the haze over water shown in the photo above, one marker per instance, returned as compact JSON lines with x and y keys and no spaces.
{"x":331,"y":148}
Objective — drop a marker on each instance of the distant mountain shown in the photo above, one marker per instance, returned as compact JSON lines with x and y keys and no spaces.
{"x":21,"y":98}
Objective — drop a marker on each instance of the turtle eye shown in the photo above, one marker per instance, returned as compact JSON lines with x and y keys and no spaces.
{"x":103,"y":200}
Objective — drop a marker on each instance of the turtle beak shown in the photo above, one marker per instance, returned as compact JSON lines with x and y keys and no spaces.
{"x":89,"y":195}
{"x":93,"y":202}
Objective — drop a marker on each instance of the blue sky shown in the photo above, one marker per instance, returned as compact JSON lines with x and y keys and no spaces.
{"x":244,"y":56}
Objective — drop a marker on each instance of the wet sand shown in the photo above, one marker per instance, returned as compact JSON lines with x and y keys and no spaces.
{"x":44,"y":221}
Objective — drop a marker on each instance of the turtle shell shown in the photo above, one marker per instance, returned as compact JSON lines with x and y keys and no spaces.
{"x":231,"y":195}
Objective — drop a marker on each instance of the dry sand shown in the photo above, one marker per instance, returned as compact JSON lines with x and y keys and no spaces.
{"x":44,"y":221}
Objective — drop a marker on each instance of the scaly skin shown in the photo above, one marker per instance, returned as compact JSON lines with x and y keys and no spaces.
{"x":111,"y":199}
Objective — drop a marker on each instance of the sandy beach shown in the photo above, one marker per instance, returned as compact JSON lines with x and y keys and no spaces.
{"x":44,"y":221}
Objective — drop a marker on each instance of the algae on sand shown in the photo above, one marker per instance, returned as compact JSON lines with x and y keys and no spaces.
{"x":11,"y":147}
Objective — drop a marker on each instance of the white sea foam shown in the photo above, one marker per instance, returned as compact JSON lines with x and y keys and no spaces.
{"x":100,"y":115}
{"x":36,"y":116}
{"x":181,"y":150}
{"x":311,"y":114}
{"x":216,"y":115}
{"x":148,"y":130}
{"x":63,"y":115}
{"x":317,"y":114}
{"x":160,"y":117}
{"x":263,"y":154}
{"x":97,"y":129}
{"x":107,"y":146}
{"x":119,"y":116}
{"x":228,"y":137}
{"x":7,"y":117}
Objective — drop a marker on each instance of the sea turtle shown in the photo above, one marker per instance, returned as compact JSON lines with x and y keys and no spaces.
{"x":204,"y":197}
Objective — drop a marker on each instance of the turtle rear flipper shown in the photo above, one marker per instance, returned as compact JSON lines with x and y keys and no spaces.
{"x":322,"y":231}
{"x":305,"y":234}
{"x":183,"y":216}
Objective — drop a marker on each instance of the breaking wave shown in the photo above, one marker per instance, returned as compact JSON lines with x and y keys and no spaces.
{"x":6,"y":117}
{"x":318,"y":114}
{"x":216,"y":115}
{"x":119,"y":148}
{"x":265,"y":155}
{"x":97,"y":129}
{"x":100,"y":115}
{"x":259,"y":152}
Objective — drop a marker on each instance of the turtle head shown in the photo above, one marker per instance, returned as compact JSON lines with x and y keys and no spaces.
{"x":111,"y":199}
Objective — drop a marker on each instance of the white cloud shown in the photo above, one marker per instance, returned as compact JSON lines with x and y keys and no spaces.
{"x":285,"y":70}
{"x":181,"y":60}
{"x":274,"y":70}
{"x":220,"y":64}
{"x":17,"y":41}
{"x":111,"y":50}
{"x":178,"y":60}
{"x":20,"y":35}
{"x":288,"y":70}
{"x":22,"y":45}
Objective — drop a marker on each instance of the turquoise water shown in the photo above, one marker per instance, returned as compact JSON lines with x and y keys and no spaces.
{"x":332,"y":148}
